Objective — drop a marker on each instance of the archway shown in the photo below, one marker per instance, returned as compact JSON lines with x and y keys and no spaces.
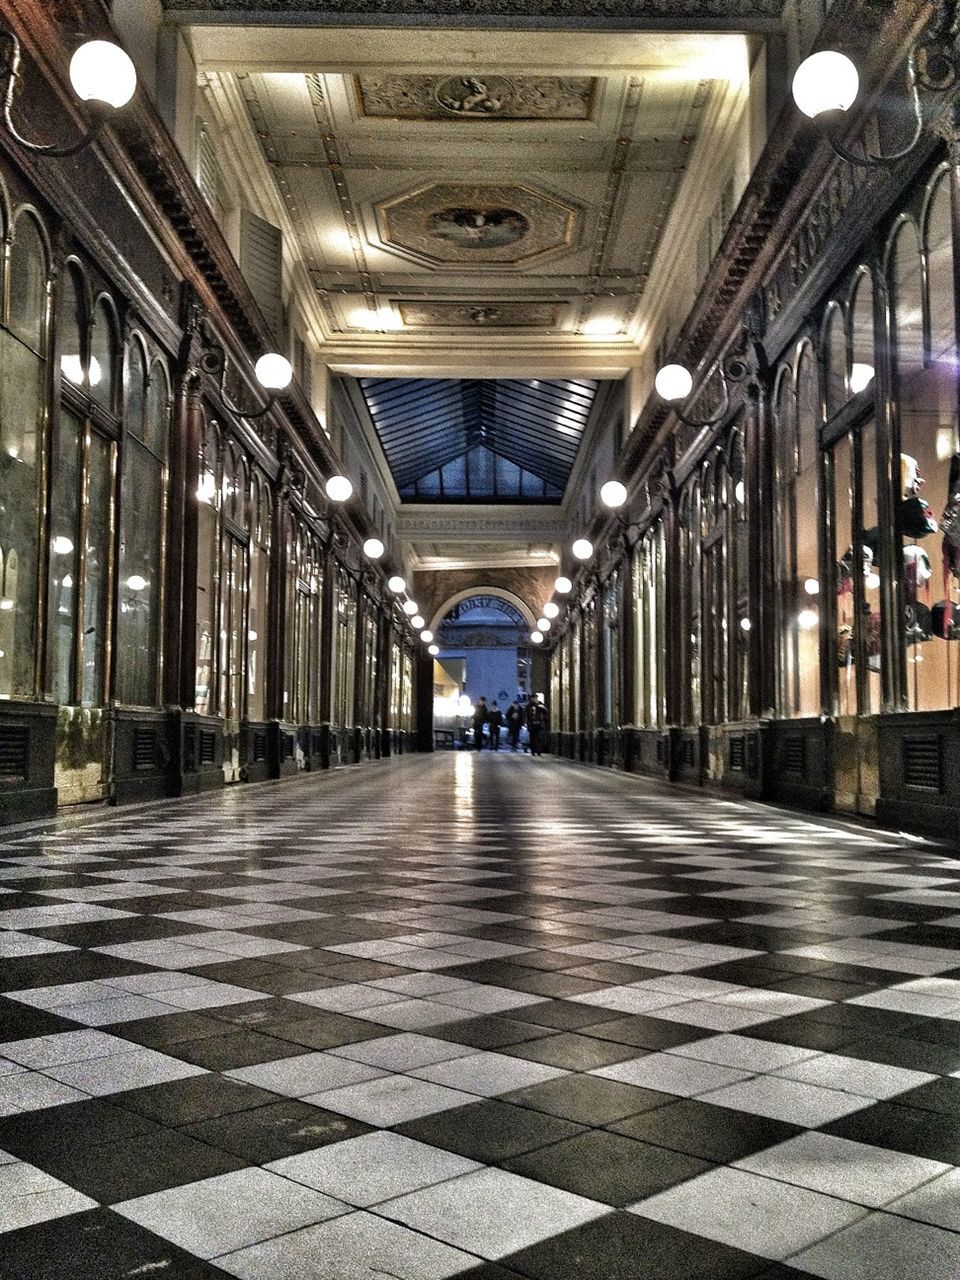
{"x":483,"y":638}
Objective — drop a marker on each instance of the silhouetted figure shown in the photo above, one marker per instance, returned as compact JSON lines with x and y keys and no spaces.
{"x":537,"y":724}
{"x":480,"y":717}
{"x":495,"y":720}
{"x":514,"y":724}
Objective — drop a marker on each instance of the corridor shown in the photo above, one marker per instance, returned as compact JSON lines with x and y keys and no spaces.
{"x":491,"y":1017}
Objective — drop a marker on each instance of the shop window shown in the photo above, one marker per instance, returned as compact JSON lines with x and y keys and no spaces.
{"x":649,"y":598}
{"x":208,"y":492}
{"x":259,"y":582}
{"x":141,"y":530}
{"x":690,"y":600}
{"x":23,"y":351}
{"x":925,"y":373}
{"x":739,"y":707}
{"x":345,"y":627}
{"x":102,"y":369}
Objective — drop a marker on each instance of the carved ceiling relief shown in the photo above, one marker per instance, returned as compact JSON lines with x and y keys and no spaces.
{"x":501,"y":315}
{"x":470,"y":97}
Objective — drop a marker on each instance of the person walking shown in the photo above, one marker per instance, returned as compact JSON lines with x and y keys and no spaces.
{"x":495,"y":720}
{"x":514,"y":724}
{"x":537,"y":724}
{"x":480,"y":718}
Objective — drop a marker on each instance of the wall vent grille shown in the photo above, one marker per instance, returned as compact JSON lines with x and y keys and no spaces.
{"x":923,"y":763}
{"x":14,"y":753}
{"x":144,"y":747}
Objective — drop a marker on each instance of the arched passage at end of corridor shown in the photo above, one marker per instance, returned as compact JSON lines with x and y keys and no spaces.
{"x":498,"y":593}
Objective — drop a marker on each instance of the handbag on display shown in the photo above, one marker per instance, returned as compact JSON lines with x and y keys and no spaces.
{"x":918,"y":623}
{"x":945,"y":620}
{"x":916,"y":518}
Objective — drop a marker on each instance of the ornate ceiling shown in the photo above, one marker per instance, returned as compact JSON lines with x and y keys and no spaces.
{"x":442,"y":184}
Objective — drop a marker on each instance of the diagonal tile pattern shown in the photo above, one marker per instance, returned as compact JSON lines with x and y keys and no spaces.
{"x":477,"y":1016}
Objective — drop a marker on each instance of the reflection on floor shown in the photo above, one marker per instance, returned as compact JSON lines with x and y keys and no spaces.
{"x":475,"y":1016}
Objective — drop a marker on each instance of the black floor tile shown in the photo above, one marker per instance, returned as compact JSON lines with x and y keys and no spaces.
{"x":489,"y":1131}
{"x":904,"y":1051}
{"x":323,"y":1031}
{"x":607,"y":1167}
{"x":97,"y":1245}
{"x":887,"y":1124}
{"x":588,"y":1099}
{"x":488,"y":1032}
{"x":563,"y":1015}
{"x":574,"y":1052}
{"x":184,"y":1102}
{"x":238,"y":1049}
{"x":644,"y":1032}
{"x":623,"y":1246}
{"x":169,"y":1031}
{"x":138,"y":1165}
{"x":32,"y":1135}
{"x":270,"y":1132}
{"x":941,"y":1095}
{"x":708,"y":1132}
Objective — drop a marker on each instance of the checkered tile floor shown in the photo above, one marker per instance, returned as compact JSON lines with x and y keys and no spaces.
{"x":477,"y":1016}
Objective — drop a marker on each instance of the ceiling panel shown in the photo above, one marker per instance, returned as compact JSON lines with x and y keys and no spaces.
{"x":480,"y":439}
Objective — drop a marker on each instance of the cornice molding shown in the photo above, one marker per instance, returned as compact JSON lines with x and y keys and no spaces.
{"x":700,"y":15}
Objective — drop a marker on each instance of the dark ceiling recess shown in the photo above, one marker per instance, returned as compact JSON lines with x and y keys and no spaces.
{"x":480,"y":439}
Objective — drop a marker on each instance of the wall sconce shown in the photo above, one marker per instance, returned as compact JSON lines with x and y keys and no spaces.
{"x":373,"y":548}
{"x":827,"y":83}
{"x":674,"y":383}
{"x":274,"y":373}
{"x":582,"y":549}
{"x":101,"y":74}
{"x":613,"y":494}
{"x":338,"y":489}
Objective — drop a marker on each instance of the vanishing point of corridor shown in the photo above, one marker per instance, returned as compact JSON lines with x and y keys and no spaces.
{"x":477,"y":1016}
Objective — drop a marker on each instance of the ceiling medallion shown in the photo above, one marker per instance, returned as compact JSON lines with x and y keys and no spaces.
{"x":484,"y":224}
{"x":478,"y":228}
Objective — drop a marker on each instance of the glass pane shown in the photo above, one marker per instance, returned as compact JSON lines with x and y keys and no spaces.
{"x":256,"y":630}
{"x":139,"y":580}
{"x":806,"y":586}
{"x":940,"y":270}
{"x":136,"y":391}
{"x":836,"y":351}
{"x":28,"y":284}
{"x":72,"y":352}
{"x":103,"y":347}
{"x":863,"y":368}
{"x":96,"y":570}
{"x":929,"y":471}
{"x":21,"y":414}
{"x":870,"y":613}
{"x":157,"y":411}
{"x":206,"y":606}
{"x":64,"y":557}
{"x":846,"y":567}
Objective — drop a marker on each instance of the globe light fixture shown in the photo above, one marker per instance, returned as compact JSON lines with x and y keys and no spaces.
{"x":397,"y":584}
{"x":536,"y":637}
{"x":418,"y":622}
{"x":551,"y":609}
{"x":426,"y":636}
{"x":812,"y":587}
{"x":582,"y":549}
{"x":746,"y":624}
{"x":861,"y":375}
{"x":807,"y":619}
{"x":543,"y":624}
{"x":563,"y":586}
{"x":103,"y":73}
{"x":826,"y":81}
{"x":673,"y":383}
{"x":433,"y":650}
{"x":411,"y":608}
{"x":136,"y":582}
{"x":613,"y":494}
{"x":872,"y":581}
{"x":339,"y":489}
{"x":373,"y":549}
{"x":274,"y":372}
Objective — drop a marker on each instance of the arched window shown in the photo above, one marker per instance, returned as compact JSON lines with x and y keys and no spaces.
{"x":863,"y":343}
{"x":23,"y":347}
{"x":260,"y":537}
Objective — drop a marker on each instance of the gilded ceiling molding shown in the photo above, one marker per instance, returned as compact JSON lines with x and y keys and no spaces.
{"x":698,"y":14}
